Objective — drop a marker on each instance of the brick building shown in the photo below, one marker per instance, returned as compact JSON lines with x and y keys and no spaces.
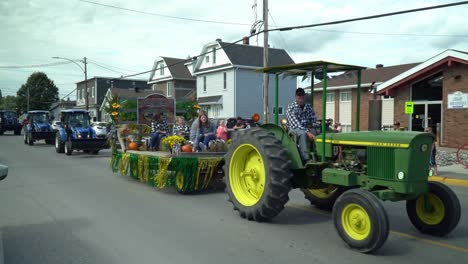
{"x":342,"y":93}
{"x":438,"y":87}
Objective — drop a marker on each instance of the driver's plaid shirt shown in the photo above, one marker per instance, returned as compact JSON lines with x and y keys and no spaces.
{"x":300,"y":118}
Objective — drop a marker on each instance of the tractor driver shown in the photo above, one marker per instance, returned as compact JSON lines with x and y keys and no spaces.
{"x":300,"y":117}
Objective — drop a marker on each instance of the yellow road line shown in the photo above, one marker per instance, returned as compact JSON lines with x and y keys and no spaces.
{"x":429,"y":241}
{"x":450,"y":181}
{"x":412,"y":237}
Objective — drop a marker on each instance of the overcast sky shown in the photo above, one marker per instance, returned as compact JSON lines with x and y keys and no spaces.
{"x":34,"y":31}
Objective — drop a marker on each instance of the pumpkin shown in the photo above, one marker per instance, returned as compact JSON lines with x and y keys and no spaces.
{"x":186,"y":148}
{"x":133,"y":146}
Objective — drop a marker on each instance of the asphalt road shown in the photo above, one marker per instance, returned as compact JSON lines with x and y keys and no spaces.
{"x":58,"y":209}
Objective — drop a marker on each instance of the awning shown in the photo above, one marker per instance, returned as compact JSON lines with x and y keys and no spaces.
{"x":211,"y":100}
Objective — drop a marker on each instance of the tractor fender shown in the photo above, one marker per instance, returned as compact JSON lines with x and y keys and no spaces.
{"x":63,"y":134}
{"x":288,"y":144}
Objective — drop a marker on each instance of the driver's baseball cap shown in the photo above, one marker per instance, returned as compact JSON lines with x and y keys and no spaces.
{"x":300,"y":92}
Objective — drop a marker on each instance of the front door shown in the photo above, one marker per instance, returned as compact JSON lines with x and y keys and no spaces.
{"x":417,"y":118}
{"x":426,"y":115}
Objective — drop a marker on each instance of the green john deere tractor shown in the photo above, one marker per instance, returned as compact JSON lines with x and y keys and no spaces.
{"x":350,"y":173}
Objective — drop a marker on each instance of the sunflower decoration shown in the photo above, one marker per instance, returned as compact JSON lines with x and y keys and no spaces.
{"x":112,"y":108}
{"x":170,"y":141}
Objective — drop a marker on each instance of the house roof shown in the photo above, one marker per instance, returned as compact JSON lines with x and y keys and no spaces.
{"x":128,"y":93}
{"x":247,"y":55}
{"x":368,"y":76}
{"x":176,"y":67}
{"x":429,"y":66}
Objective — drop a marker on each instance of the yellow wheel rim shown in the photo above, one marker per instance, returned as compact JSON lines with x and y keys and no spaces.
{"x":356,"y":222}
{"x":179,"y":180}
{"x":430,"y":209}
{"x":324,"y":193}
{"x":247,"y":174}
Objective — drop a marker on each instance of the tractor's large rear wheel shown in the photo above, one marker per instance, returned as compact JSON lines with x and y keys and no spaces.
{"x":258,"y":174}
{"x":324,"y":198}
{"x":361,"y":220}
{"x":436,"y":213}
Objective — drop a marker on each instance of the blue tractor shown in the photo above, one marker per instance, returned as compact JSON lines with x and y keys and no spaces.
{"x":38,"y":127}
{"x":76,"y":133}
{"x":9,"y":121}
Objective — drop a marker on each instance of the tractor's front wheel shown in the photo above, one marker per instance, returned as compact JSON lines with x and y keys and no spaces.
{"x":59,"y":145}
{"x":361,"y":220}
{"x":30,"y":140}
{"x":435,"y":213}
{"x":324,"y":198}
{"x":68,"y":148}
{"x":258,"y":174}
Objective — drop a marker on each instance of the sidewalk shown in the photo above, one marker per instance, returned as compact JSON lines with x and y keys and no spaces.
{"x":449,"y":170}
{"x":452,"y":175}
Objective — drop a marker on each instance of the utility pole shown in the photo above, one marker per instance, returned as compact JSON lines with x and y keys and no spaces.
{"x":265,"y":60}
{"x":27,"y":100}
{"x":86,"y":84}
{"x":85,"y":74}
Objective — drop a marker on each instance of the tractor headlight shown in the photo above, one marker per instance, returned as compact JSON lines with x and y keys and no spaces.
{"x":284,"y":121}
{"x":401,"y":175}
{"x":423,"y":147}
{"x":79,"y":135}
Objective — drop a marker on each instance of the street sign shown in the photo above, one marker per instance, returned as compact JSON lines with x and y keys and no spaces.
{"x":409,"y":107}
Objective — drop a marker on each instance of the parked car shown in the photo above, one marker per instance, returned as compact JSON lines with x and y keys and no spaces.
{"x":56,"y":125}
{"x":100,"y":128}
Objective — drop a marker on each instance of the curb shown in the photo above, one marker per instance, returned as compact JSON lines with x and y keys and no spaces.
{"x":449,"y":181}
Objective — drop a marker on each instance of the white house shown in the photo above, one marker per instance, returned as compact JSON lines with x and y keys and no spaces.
{"x":172,"y":78}
{"x":229,"y":86}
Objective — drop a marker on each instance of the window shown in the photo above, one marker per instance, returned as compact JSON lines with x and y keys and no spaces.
{"x":204,"y":83}
{"x":330,"y":97}
{"x":345,"y":96}
{"x":80,"y":95}
{"x":207,"y":59}
{"x":161,"y":69}
{"x":346,"y":128}
{"x":224,"y":80}
{"x":93,"y":92}
{"x":214,"y":55}
{"x":169,"y":89}
{"x":280,"y":108}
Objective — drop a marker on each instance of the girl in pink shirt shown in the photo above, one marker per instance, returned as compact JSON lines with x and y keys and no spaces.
{"x":222,"y":131}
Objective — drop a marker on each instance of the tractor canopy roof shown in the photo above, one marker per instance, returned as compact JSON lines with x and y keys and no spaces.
{"x":303,"y":68}
{"x":38,"y":112}
{"x":74,"y":111}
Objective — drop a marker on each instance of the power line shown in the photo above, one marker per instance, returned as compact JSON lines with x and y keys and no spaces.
{"x":102,"y":63}
{"x":34,"y":66}
{"x":281,"y":36}
{"x":309,"y":26}
{"x":106,"y":68}
{"x":165,"y":16}
{"x":388,"y":34}
{"x":371,"y":17}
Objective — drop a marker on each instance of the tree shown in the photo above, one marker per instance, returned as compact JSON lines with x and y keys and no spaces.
{"x":42,"y":93}
{"x":8,"y":102}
